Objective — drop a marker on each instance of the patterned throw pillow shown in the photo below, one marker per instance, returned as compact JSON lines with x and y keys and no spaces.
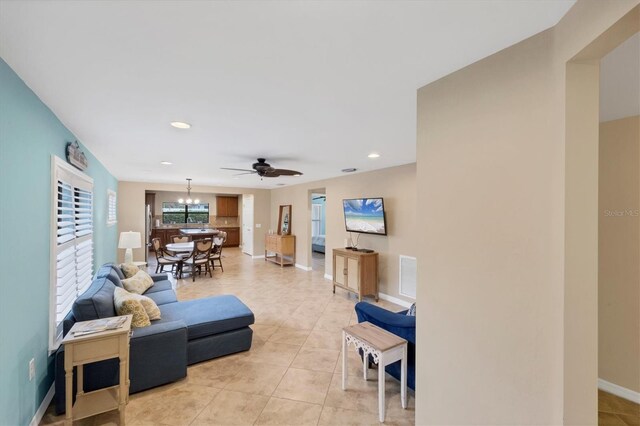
{"x":127,"y":305}
{"x":412,"y":311}
{"x":129,"y":269}
{"x":139,"y":283}
{"x":149,"y":305}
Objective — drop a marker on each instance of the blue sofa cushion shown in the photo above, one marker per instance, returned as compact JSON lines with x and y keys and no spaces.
{"x":96,"y":302}
{"x":162,"y":297}
{"x":112,"y":272}
{"x":211,"y":315}
{"x":159,"y":286}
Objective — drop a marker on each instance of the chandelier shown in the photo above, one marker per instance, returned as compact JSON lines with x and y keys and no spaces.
{"x":188,"y":200}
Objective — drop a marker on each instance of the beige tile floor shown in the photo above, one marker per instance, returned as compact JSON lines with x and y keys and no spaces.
{"x":291,"y":375}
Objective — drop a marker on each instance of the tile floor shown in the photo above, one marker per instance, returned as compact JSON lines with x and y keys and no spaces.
{"x":292,"y":373}
{"x":616,"y":411}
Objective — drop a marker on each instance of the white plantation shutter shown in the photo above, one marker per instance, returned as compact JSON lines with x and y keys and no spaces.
{"x":111,"y":208}
{"x":316,"y":213}
{"x":72,"y":242}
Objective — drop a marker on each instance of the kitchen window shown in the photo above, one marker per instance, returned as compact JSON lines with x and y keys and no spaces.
{"x":71,"y":242}
{"x":185,"y":213}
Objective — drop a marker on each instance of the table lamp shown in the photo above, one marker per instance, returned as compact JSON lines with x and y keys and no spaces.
{"x":129,"y":240}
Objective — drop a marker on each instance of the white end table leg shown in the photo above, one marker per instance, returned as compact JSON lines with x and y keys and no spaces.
{"x":381,"y":384}
{"x":344,"y":360}
{"x":365,"y":364}
{"x":403,"y":377}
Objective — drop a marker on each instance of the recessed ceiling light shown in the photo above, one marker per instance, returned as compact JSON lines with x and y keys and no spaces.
{"x":166,"y":163}
{"x":373,"y":155}
{"x":349,"y":170}
{"x":280,"y":184}
{"x":180,"y":125}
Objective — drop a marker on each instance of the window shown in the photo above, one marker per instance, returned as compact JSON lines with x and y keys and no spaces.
{"x":316,"y":219}
{"x":71,"y":241}
{"x":185,"y":213}
{"x":112,"y":217}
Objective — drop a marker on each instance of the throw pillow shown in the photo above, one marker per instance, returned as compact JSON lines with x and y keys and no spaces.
{"x":129,"y":269}
{"x":139,"y":283}
{"x":127,"y":305}
{"x":149,"y":305}
{"x":412,"y":311}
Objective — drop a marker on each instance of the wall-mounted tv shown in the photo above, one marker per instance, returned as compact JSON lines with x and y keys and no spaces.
{"x":365,"y":215}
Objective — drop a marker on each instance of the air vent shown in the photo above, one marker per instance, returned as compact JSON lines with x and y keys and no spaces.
{"x":408,"y":274}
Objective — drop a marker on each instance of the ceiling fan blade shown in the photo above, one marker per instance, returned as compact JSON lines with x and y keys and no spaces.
{"x":285,"y":172}
{"x":245,"y":173}
{"x":237,"y":170}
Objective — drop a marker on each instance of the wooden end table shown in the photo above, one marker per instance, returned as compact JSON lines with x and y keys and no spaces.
{"x":385,"y":348}
{"x":88,"y":348}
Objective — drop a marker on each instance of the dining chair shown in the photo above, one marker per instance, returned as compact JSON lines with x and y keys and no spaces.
{"x":199,"y":258}
{"x":216,"y":252}
{"x":181,"y":239}
{"x":163,"y":258}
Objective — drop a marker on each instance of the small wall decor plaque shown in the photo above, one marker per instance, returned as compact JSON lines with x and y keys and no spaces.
{"x":75,"y":156}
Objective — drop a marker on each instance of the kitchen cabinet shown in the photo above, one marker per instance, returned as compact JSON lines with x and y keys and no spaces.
{"x":226,"y":206}
{"x":233,"y":237}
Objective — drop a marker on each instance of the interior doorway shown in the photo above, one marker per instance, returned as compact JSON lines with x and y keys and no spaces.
{"x":247,"y":224}
{"x":583,"y":214}
{"x":619,"y":235}
{"x":318,"y":229}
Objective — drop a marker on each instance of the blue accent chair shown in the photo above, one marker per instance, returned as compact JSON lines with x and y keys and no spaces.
{"x":399,"y":324}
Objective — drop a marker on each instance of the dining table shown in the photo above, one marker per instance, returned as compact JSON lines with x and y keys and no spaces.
{"x":180,"y":247}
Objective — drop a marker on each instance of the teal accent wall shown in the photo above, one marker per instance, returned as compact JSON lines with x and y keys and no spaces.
{"x":30,"y":134}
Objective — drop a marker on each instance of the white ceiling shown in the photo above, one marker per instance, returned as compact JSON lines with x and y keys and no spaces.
{"x":309,"y":85}
{"x":620,"y":81}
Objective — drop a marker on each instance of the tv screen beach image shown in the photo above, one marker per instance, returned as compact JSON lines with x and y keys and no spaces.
{"x":364,"y":215}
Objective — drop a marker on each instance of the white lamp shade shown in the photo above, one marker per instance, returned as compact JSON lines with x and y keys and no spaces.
{"x":129,"y":240}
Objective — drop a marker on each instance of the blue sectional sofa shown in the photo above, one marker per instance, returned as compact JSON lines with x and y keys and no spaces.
{"x":399,"y":324}
{"x":189,"y":332}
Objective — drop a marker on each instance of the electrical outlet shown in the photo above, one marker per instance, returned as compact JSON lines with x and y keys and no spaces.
{"x":258,"y":225}
{"x":32,"y":369}
{"x":226,"y":222}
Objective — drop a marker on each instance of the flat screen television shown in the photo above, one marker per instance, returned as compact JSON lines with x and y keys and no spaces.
{"x":365,"y":215}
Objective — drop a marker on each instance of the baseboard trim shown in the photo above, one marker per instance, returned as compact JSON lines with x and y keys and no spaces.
{"x":395,"y":300}
{"x":328,"y":277}
{"x":618,"y":390}
{"x":258,"y":257}
{"x":35,"y":421}
{"x":304,"y":268}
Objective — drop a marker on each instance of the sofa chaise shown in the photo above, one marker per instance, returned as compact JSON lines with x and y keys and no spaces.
{"x":188,"y":332}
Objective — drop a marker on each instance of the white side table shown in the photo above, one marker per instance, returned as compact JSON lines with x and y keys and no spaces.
{"x":141,"y":265}
{"x":85,"y":349}
{"x":385,"y":348}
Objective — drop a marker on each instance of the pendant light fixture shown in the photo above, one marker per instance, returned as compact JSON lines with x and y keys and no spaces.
{"x":188,"y":200}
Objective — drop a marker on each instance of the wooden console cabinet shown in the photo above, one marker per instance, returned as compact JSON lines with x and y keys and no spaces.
{"x":284,"y":247}
{"x":356,"y":272}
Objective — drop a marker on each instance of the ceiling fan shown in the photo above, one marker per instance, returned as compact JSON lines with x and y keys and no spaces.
{"x":264,"y":169}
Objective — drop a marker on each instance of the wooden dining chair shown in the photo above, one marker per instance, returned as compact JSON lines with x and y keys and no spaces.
{"x":216,"y":251}
{"x":162,"y":257}
{"x":199,"y":258}
{"x":181,"y":239}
